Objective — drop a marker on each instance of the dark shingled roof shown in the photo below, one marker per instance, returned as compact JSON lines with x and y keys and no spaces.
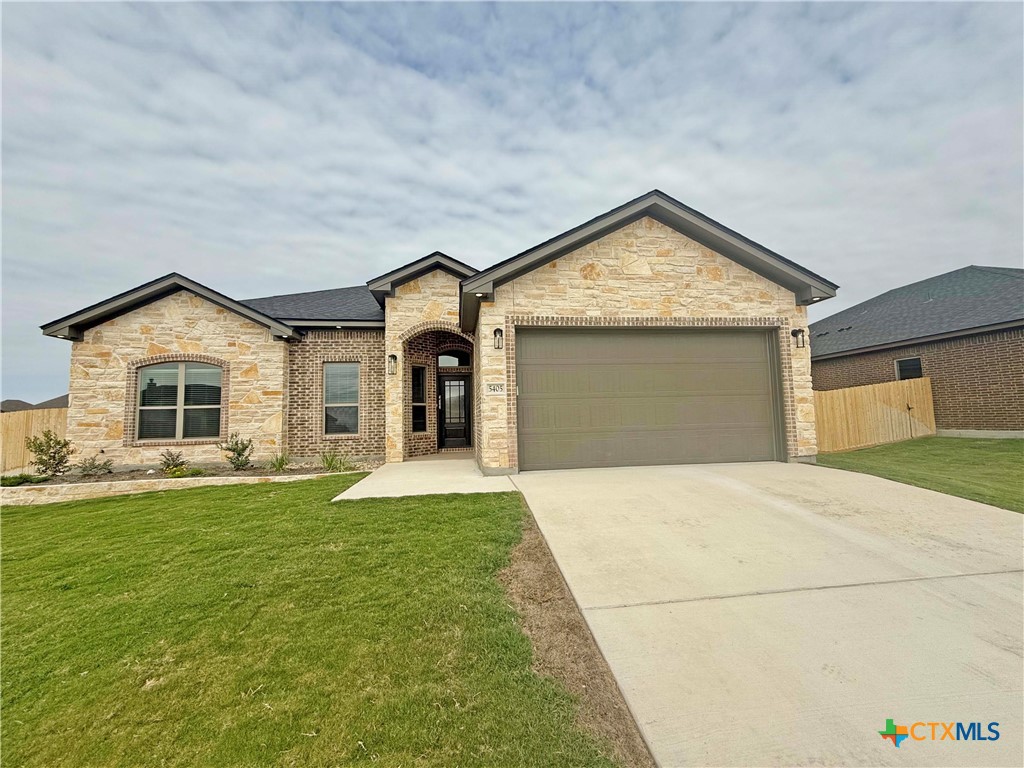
{"x":9,"y":406}
{"x":964,"y":299}
{"x":355,"y":303}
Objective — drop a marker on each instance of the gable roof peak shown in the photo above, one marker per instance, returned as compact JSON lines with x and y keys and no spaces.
{"x":808,"y":286}
{"x":71,"y":326}
{"x":383,"y":286}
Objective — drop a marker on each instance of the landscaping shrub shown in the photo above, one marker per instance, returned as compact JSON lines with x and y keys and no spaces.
{"x":52,"y":453}
{"x":9,"y":481}
{"x":280,"y":462}
{"x":93,"y":466}
{"x":185,"y":471}
{"x":238,"y":451}
{"x":170,"y":460}
{"x":330,"y":461}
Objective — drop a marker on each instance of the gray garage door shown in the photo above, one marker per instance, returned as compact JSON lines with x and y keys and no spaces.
{"x":624,"y":397}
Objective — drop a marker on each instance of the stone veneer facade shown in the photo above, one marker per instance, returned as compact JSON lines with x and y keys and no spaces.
{"x":425,"y":304}
{"x":179,"y":327}
{"x":642,"y":275}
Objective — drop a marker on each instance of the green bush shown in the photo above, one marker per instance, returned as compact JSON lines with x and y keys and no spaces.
{"x":185,"y":471}
{"x":9,"y":481}
{"x":330,"y":461}
{"x":280,"y":462}
{"x":52,"y":453}
{"x":93,"y":466}
{"x":238,"y":451}
{"x":171,"y":460}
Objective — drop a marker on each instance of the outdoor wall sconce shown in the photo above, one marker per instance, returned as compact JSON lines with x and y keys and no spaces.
{"x":499,"y":338}
{"x":392,"y":365}
{"x":800,"y":337}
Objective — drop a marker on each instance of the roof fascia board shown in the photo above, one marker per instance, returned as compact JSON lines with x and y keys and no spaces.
{"x":385,"y":285}
{"x":71,"y":326}
{"x":918,"y":340}
{"x":346,"y":324}
{"x":671,"y":214}
{"x":436,"y":256}
{"x":808,"y":287}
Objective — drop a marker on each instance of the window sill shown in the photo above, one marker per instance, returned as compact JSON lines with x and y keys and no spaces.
{"x":341,"y":436}
{"x":162,"y":443}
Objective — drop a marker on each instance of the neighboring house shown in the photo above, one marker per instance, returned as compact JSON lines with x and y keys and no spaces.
{"x":963,"y":329}
{"x":9,"y":406}
{"x":648,"y":335}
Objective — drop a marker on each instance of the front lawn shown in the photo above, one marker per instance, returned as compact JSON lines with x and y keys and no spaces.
{"x":263,"y":625}
{"x":989,"y":471}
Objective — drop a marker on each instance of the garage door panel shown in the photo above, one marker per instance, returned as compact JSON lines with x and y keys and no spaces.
{"x":669,"y":379}
{"x":615,"y":397}
{"x":617,"y":449}
{"x":641,"y":414}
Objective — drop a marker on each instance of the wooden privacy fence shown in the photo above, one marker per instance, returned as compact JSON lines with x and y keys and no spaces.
{"x":858,"y":417}
{"x":17,"y":425}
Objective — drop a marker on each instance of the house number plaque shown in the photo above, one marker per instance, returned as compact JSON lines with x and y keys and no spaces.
{"x":496,"y":389}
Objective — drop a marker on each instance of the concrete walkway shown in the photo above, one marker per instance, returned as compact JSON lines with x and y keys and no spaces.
{"x":779,"y":614}
{"x":423,"y":477}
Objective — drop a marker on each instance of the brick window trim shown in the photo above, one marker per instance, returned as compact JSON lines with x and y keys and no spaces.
{"x":781,"y":325}
{"x":318,"y":396}
{"x":434,"y":325}
{"x":131,"y":405}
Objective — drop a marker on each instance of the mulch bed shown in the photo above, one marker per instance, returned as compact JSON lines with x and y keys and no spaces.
{"x":565,"y":650}
{"x":143,"y":474}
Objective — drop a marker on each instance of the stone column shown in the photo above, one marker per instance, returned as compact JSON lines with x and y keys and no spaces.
{"x":394,"y":450}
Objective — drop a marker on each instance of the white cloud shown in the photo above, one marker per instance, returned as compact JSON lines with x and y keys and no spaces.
{"x":270,"y":148}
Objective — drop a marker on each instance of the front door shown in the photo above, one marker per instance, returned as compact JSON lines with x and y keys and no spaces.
{"x":453,"y":411}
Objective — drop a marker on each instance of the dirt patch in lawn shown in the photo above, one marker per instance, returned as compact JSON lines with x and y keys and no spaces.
{"x":564,"y":649}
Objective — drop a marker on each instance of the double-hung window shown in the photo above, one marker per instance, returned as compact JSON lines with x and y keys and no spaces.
{"x":341,"y":398}
{"x":179,"y":401}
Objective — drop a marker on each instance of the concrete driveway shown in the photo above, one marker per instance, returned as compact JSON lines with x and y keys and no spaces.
{"x":779,"y":614}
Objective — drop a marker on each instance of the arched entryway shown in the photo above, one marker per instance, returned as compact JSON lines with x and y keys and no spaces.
{"x":437,"y":402}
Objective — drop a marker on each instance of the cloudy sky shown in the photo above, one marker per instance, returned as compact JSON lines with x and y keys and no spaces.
{"x":264,"y":149}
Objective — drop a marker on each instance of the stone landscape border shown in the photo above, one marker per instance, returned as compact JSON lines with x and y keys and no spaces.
{"x":25,"y":495}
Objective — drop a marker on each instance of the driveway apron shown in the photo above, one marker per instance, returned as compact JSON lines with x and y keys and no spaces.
{"x":780,"y":614}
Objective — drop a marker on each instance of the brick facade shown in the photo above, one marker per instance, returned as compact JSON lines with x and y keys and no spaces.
{"x":305,"y":417}
{"x":977,"y":381}
{"x":644,"y":274}
{"x":422,"y":351}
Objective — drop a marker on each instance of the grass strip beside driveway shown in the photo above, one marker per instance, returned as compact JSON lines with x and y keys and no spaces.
{"x":989,"y":471}
{"x":263,"y":625}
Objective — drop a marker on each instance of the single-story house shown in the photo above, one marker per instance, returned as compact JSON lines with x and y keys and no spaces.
{"x":648,"y":335}
{"x":962,"y":329}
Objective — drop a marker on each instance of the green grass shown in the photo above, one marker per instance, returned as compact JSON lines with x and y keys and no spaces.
{"x":261,"y":625}
{"x":989,"y":471}
{"x":9,"y":481}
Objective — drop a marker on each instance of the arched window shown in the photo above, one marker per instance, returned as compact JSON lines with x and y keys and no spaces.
{"x":179,"y":401}
{"x":453,"y":358}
